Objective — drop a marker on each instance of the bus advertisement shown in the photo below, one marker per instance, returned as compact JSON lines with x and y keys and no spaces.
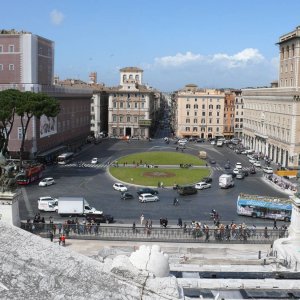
{"x":31,"y":173}
{"x":65,"y":158}
{"x":266,"y":207}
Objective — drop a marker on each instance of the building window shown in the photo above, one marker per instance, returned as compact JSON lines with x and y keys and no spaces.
{"x":203,"y":113}
{"x":195,"y":121}
{"x":121,"y":104}
{"x":11,"y":48}
{"x":121,"y":118}
{"x":187,"y":128}
{"x":195,"y":129}
{"x":291,"y":80}
{"x":128,"y":104}
{"x":137,"y":78}
{"x":143,"y":105}
{"x":196,"y":106}
{"x":217,"y":129}
{"x":292,"y":66}
{"x":124,"y":78}
{"x":11,"y":67}
{"x":210,"y":106}
{"x":114,"y":104}
{"x":114,"y":118}
{"x":1,"y":48}
{"x":218,"y":121}
{"x":20,"y":133}
{"x":135,"y":119}
{"x":187,"y":113}
{"x":1,"y":67}
{"x":210,"y":121}
{"x":187,"y":121}
{"x":128,"y":119}
{"x":218,"y":113}
{"x":135,"y":105}
{"x":210,"y":113}
{"x":203,"y":106}
{"x":187,"y":106}
{"x":209,"y":129}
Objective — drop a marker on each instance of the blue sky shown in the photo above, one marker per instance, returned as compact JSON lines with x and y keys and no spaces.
{"x":213,"y":44}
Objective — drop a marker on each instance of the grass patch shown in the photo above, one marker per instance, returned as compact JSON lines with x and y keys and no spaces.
{"x":161,"y":158}
{"x":137,"y":175}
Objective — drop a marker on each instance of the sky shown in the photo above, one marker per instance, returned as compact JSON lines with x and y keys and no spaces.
{"x":214,"y":44}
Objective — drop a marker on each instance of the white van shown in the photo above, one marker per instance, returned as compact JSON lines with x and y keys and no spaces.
{"x":47,"y":203}
{"x":219,"y":143}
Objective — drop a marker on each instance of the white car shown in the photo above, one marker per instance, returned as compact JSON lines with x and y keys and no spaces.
{"x":47,"y":203}
{"x":120,"y":187}
{"x":257,"y":164}
{"x":148,"y":198}
{"x":238,"y":165}
{"x":236,"y":171}
{"x":268,"y":170}
{"x":202,"y":185}
{"x":46,"y":181}
{"x":94,"y":161}
{"x":213,"y":142}
{"x":252,"y":160}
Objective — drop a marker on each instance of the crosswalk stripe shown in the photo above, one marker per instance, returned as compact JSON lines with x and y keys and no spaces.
{"x":98,"y":166}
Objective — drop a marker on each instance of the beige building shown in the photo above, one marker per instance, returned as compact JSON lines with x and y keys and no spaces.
{"x":132,"y":107}
{"x":238,"y":113}
{"x":272,"y":115}
{"x":198,"y":112}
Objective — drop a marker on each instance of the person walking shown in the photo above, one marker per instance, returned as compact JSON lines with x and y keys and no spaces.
{"x":142,"y":219}
{"x":275,"y":224}
{"x":51,"y":235}
{"x":133,"y":227}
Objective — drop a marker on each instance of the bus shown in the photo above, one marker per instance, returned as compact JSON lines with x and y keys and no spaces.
{"x":65,"y":158}
{"x":266,"y":207}
{"x":29,"y":174}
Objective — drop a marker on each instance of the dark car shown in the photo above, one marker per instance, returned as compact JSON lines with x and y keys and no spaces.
{"x":126,"y":195}
{"x":212,"y":161}
{"x":186,"y":190}
{"x":246,"y":173}
{"x":207,"y":179}
{"x":252,"y":171}
{"x":99,"y":218}
{"x":201,"y":140}
{"x":227,"y":166}
{"x":147,"y":191}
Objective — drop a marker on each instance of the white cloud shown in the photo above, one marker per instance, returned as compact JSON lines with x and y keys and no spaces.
{"x":242,"y":69}
{"x":56,"y":17}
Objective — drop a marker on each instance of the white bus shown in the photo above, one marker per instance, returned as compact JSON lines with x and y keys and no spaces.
{"x":65,"y":158}
{"x":256,"y":206}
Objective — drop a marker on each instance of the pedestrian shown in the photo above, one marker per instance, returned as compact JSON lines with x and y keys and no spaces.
{"x":174,"y":201}
{"x":133,"y":227}
{"x":51,"y":235}
{"x":275,"y":224}
{"x":63,"y":239}
{"x":179,"y":222}
{"x":142,"y":219}
{"x":266,"y":235}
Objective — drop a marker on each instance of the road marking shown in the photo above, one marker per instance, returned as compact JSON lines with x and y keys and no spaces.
{"x":27,"y":203}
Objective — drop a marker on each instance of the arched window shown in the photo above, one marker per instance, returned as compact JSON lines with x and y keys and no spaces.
{"x":288,"y":51}
{"x":137,"y":77}
{"x":124,"y":78}
{"x":130,"y":76}
{"x":195,"y":106}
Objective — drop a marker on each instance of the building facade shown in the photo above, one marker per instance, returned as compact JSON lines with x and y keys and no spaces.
{"x":198,"y":112}
{"x":272,"y":115}
{"x":132,"y":106}
{"x":25,"y":58}
{"x":229,"y":114}
{"x":239,"y":113}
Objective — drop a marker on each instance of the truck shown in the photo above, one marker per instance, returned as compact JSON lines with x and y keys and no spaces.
{"x":75,"y":206}
{"x":226,"y":181}
{"x":202,"y":154}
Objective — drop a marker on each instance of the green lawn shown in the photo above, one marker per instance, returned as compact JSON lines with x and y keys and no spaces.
{"x":137,"y":175}
{"x":162,"y":158}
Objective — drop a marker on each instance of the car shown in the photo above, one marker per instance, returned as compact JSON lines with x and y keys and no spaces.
{"x":212,"y":161}
{"x":240,"y":175}
{"x":213,"y":142}
{"x":47,"y":203}
{"x":147,"y":191}
{"x":252,"y":160}
{"x":126,"y":196}
{"x":268,"y":170}
{"x":99,"y":218}
{"x":46,"y":181}
{"x":246,"y":173}
{"x":186,"y":190}
{"x":120,"y":187}
{"x":148,"y":197}
{"x":238,"y":165}
{"x":236,"y":171}
{"x":202,"y":185}
{"x":231,"y":173}
{"x":257,"y":164}
{"x":200,"y":140}
{"x":227,"y":166}
{"x":207,"y":179}
{"x":94,"y":161}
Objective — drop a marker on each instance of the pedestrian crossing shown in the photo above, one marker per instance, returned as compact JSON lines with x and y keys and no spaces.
{"x":219,"y":168}
{"x":86,"y":165}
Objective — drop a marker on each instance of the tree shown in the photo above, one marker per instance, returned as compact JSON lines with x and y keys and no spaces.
{"x":34,"y":104}
{"x":8,"y":100}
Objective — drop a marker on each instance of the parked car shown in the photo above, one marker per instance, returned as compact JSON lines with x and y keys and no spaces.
{"x":213,"y":142}
{"x":202,"y":185}
{"x":126,"y":196}
{"x":207,"y":179}
{"x":186,"y":190}
{"x":46,"y":181}
{"x":235,"y":171}
{"x":200,"y":140}
{"x":94,"y":161}
{"x":147,"y":191}
{"x":148,"y":198}
{"x":268,"y":170}
{"x":120,"y":187}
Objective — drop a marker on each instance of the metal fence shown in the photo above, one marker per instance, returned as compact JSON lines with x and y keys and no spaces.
{"x":157,"y":234}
